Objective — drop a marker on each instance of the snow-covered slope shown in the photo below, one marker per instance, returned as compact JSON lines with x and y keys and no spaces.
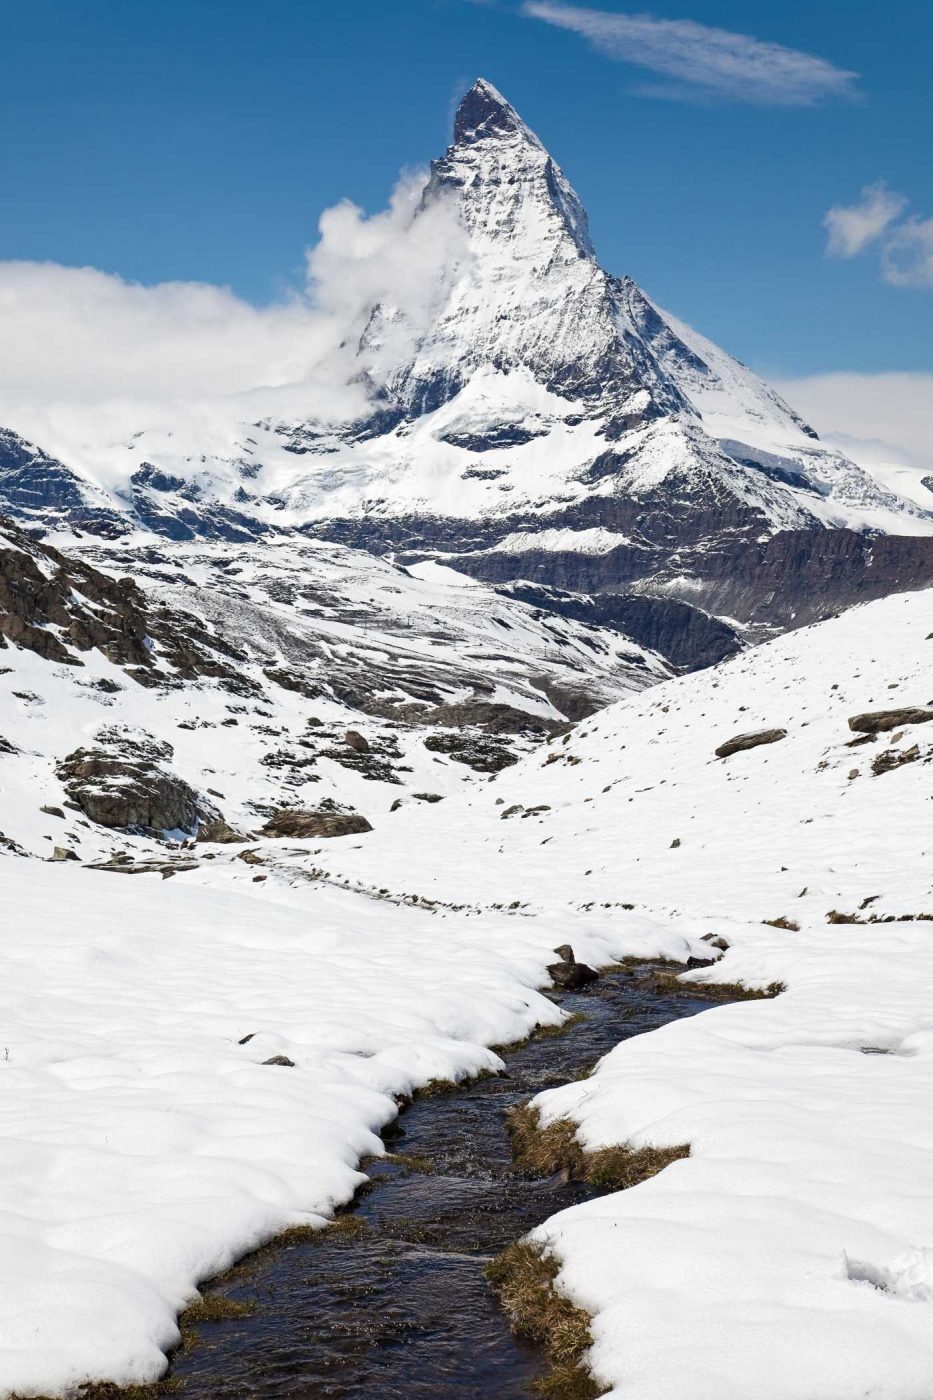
{"x":251,"y":666}
{"x":634,"y":804}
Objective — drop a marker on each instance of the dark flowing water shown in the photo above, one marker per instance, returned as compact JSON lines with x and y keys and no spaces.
{"x":401,"y":1308}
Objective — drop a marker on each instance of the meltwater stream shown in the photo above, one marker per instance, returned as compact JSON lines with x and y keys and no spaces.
{"x":401,"y":1308}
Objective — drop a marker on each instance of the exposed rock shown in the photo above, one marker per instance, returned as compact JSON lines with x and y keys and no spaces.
{"x":480,"y":752}
{"x":428,"y":796}
{"x":750,"y":741}
{"x":53,"y":812}
{"x":568,"y":973}
{"x":880,"y":721}
{"x":356,"y":741}
{"x":302,"y":826}
{"x":250,"y":857}
{"x":890,"y":759}
{"x":60,"y":607}
{"x":217,"y":830}
{"x":124,"y":782}
{"x":280,"y":1060}
{"x":63,"y":853}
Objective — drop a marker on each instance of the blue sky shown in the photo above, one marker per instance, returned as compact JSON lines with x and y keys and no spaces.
{"x":202,"y":141}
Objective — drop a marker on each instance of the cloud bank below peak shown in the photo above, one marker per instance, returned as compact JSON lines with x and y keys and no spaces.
{"x":698,"y":61}
{"x":88,"y":357}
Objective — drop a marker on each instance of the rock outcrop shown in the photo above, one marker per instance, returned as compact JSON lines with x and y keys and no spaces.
{"x":302,"y":826}
{"x":123,"y":781}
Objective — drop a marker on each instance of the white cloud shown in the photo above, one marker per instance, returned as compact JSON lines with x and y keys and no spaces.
{"x":882,"y":421}
{"x":851,"y":228}
{"x":905,"y":246}
{"x":700,"y":60}
{"x":907,"y":256}
{"x":86,"y":356}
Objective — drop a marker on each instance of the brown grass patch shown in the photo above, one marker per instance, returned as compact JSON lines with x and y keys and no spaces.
{"x":522,"y":1277}
{"x":670,"y":982}
{"x":554,"y":1147}
{"x":541,"y":1033}
{"x":214,"y":1308}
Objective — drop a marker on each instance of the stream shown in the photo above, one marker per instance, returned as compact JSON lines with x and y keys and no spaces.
{"x":400,"y":1306}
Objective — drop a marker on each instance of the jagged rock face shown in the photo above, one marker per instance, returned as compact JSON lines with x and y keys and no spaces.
{"x":60,"y":607}
{"x":124,"y":782}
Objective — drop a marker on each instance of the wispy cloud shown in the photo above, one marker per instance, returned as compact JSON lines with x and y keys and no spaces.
{"x":905,"y":246}
{"x":697,"y":60}
{"x":852,"y":227}
{"x":907,"y":256}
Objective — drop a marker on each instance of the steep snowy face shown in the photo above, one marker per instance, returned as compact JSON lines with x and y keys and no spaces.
{"x":532,"y":294}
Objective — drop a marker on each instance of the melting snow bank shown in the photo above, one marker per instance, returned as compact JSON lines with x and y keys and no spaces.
{"x":790,"y":1257}
{"x":146,"y":1140}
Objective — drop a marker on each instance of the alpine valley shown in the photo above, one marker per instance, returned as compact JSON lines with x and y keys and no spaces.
{"x":557,"y":633}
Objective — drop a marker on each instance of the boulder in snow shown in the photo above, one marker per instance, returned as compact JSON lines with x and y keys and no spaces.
{"x":880,"y":721}
{"x":750,"y":741}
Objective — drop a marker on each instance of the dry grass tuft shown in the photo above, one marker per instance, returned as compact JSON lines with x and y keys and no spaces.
{"x":214,"y":1308}
{"x":435,"y":1088}
{"x":543,"y":1150}
{"x":522,"y":1277}
{"x":554,"y":1147}
{"x":617,"y":1168}
{"x":669,"y":982}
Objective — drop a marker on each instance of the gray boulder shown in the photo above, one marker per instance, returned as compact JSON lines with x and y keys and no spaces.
{"x":880,"y":721}
{"x":750,"y":741}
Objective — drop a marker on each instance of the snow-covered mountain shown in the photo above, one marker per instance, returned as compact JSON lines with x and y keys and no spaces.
{"x":530,"y":417}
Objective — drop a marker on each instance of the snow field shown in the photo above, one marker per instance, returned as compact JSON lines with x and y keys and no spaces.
{"x":790,"y":1257}
{"x":143,"y":1147}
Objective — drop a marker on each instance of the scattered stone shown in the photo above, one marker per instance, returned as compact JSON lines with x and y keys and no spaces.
{"x":63,"y":853}
{"x":750,"y":741}
{"x":300,"y":825}
{"x":428,"y":796}
{"x":250,"y":857}
{"x":53,"y":812}
{"x":355,"y":740}
{"x":279,"y":1060}
{"x":783,"y":922}
{"x":675,"y":843}
{"x":890,"y":759}
{"x":879,"y":721}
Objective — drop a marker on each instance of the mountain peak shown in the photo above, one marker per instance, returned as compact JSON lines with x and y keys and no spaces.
{"x":482,"y":112}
